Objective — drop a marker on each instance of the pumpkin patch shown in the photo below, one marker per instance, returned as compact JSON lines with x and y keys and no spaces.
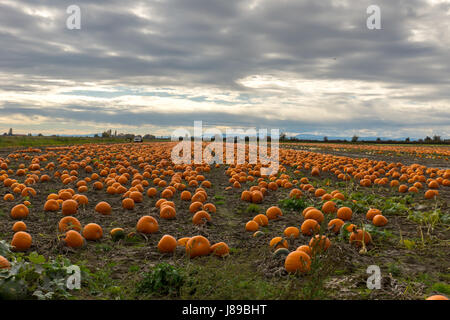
{"x":319,"y":214}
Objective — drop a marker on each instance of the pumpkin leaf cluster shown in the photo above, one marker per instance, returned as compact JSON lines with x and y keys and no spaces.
{"x":33,"y":276}
{"x":5,"y":248}
{"x":396,"y":205}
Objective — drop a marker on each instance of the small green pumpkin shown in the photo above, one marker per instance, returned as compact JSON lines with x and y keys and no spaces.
{"x":281,"y":252}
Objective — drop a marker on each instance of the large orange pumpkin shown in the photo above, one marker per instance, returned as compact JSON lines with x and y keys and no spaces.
{"x":69,"y":207}
{"x":147,"y":225}
{"x":198,"y":246}
{"x":73,"y":239}
{"x":167,"y":244}
{"x":51,"y":205}
{"x":297,"y":261}
{"x":273,"y":213}
{"x":92,"y":231}
{"x":19,"y":211}
{"x":21,"y":241}
{"x":201,"y":217}
{"x":69,"y":223}
{"x":220,"y":249}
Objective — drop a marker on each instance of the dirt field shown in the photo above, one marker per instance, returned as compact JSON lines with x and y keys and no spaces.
{"x":412,"y":250}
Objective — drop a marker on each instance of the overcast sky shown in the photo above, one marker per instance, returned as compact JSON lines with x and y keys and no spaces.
{"x":152,"y":66}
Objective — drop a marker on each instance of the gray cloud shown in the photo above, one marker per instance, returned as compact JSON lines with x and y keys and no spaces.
{"x":195,"y":44}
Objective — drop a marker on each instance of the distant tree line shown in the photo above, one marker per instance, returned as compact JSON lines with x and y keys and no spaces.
{"x":127,"y":136}
{"x":355,"y":139}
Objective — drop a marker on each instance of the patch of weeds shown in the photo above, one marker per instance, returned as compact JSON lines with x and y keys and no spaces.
{"x":441,"y":287}
{"x":341,"y":184}
{"x":234,"y":250}
{"x":394,"y":269}
{"x":424,"y":278}
{"x":134,"y":268}
{"x":365,"y":293}
{"x":103,"y":247}
{"x":253,"y":208}
{"x":139,"y":245}
{"x":219,"y":197}
{"x":340,"y":272}
{"x":409,"y":244}
{"x":314,"y":286}
{"x":100,"y":282}
{"x":219,"y":203}
{"x":163,"y":279}
{"x":133,"y":238}
{"x":429,"y":218}
{"x":294,"y":204}
{"x":445,"y":276}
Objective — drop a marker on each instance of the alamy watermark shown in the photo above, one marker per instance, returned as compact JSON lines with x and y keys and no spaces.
{"x":373,"y":22}
{"x":374,"y":280}
{"x":213,"y":152}
{"x":73,"y":21}
{"x":74,"y":279}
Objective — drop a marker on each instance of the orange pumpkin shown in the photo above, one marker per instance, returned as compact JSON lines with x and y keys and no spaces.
{"x":73,"y":239}
{"x":291,"y":232}
{"x":329,"y":207}
{"x":220,"y":249}
{"x":167,"y":244}
{"x":103,"y":208}
{"x":358,"y":236}
{"x":147,"y":225}
{"x":19,"y":211}
{"x":309,"y":227}
{"x":261,"y":219}
{"x":379,"y":220}
{"x":201,"y":217}
{"x":297,"y":261}
{"x":167,"y":212}
{"x":273,"y":213}
{"x":251,"y":226}
{"x":198,"y":246}
{"x":92,"y":231}
{"x":21,"y":241}
{"x":371,"y":213}
{"x":319,"y":243}
{"x":315,"y":215}
{"x":69,"y":207}
{"x":306,"y":249}
{"x":19,"y":226}
{"x":69,"y":223}
{"x":128,"y":203}
{"x":278,"y":242}
{"x":4,"y":263}
{"x":335,"y":225}
{"x":344,"y":213}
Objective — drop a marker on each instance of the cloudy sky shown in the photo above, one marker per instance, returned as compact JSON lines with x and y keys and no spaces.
{"x":152,"y":66}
